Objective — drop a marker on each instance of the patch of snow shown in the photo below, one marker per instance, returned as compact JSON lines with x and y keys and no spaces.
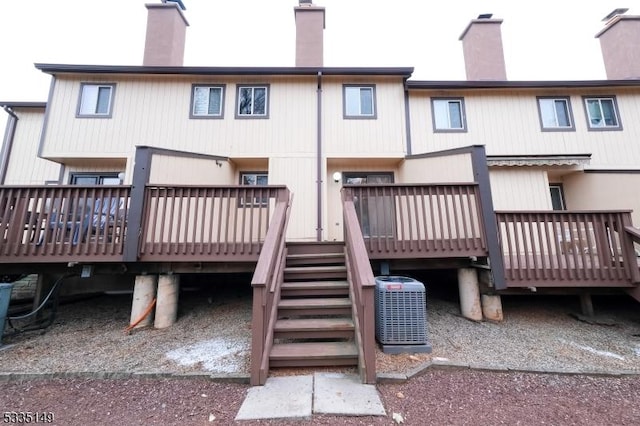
{"x":636,"y":350}
{"x":218,"y":355}
{"x":592,"y":350}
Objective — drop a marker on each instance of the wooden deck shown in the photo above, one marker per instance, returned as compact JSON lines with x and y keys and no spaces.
{"x":105,"y":224}
{"x":568,"y":249}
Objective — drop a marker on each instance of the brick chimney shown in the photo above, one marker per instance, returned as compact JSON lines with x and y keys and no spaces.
{"x":309,"y":34}
{"x":482,"y":48}
{"x":166,"y":30}
{"x":620,"y":44}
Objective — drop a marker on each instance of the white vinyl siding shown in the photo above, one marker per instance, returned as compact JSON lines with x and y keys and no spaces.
{"x":95,"y":100}
{"x":507,"y":122}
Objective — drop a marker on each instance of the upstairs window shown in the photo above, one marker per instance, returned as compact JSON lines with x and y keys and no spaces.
{"x":253,"y":102}
{"x":359,"y":101}
{"x":448,"y":115}
{"x":555,"y":113}
{"x":96,"y":100}
{"x":602,"y":113}
{"x":207,"y":101}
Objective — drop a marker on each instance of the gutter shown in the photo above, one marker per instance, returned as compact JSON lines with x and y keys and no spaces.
{"x":7,"y":143}
{"x":319,"y":159}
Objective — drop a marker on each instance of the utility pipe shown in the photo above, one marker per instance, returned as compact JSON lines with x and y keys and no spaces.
{"x":7,"y":143}
{"x":319,"y":159}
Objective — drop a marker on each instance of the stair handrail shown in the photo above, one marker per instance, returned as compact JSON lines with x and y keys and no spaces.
{"x":361,"y":289}
{"x":266,"y":282}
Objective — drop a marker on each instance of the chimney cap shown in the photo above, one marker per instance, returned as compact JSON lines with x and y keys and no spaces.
{"x":615,"y":12}
{"x":485,"y":16}
{"x":178,"y":2}
{"x":301,"y":2}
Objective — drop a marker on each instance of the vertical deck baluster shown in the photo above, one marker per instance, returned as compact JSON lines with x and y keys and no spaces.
{"x":416,"y":210}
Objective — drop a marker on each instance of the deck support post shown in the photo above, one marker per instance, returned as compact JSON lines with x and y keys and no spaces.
{"x":144,"y":291}
{"x":167,"y":300}
{"x":469,"y":290}
{"x":586,"y":305}
{"x":492,"y":307}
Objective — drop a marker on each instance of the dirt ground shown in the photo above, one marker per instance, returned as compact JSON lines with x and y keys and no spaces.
{"x":439,"y":397}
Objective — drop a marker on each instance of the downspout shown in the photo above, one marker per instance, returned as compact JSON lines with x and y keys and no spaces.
{"x":319,"y":159}
{"x":7,"y":143}
{"x":407,"y":117}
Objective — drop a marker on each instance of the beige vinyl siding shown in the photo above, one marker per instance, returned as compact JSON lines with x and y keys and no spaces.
{"x":507,"y":123}
{"x":520,"y":189}
{"x":154,"y":111}
{"x":450,"y":168}
{"x":384,"y":136}
{"x":24,"y":166}
{"x":167,"y":169}
{"x":603,"y":191}
{"x":299,"y":175}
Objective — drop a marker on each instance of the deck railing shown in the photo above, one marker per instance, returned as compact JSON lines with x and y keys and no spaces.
{"x":62,"y":223}
{"x":415,"y":220}
{"x":199,"y":222}
{"x":266,"y":283}
{"x":69,"y":223}
{"x":567,"y":248}
{"x":361,"y":291}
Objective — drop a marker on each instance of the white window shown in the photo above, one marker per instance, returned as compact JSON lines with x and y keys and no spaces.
{"x":448,"y":114}
{"x":359,"y":101}
{"x":207,"y":101}
{"x":95,"y":100}
{"x":555,"y":113}
{"x":253,"y":101}
{"x":602,"y":113}
{"x":253,"y":179}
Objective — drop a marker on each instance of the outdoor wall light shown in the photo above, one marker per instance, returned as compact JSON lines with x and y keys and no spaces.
{"x":337,"y":176}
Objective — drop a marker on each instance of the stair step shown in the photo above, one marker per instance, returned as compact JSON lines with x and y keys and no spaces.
{"x":314,"y":247}
{"x":314,"y":288}
{"x":315,"y":258}
{"x":314,"y":306}
{"x":313,"y":354}
{"x":315,"y":272}
{"x":314,"y":328}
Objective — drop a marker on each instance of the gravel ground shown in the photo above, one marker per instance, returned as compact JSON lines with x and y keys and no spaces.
{"x":212,"y":338}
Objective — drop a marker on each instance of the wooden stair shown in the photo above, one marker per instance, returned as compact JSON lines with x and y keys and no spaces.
{"x":315,"y":324}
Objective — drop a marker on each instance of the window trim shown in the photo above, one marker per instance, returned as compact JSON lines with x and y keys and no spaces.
{"x":222,"y":99}
{"x":616,"y":111}
{"x":567,"y":99}
{"x":463,"y":118}
{"x":112,"y":86}
{"x":254,"y":203}
{"x":346,"y":116}
{"x":267,"y":88}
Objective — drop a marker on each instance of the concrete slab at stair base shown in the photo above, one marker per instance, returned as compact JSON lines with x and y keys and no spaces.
{"x":280,"y":397}
{"x":345,"y":395}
